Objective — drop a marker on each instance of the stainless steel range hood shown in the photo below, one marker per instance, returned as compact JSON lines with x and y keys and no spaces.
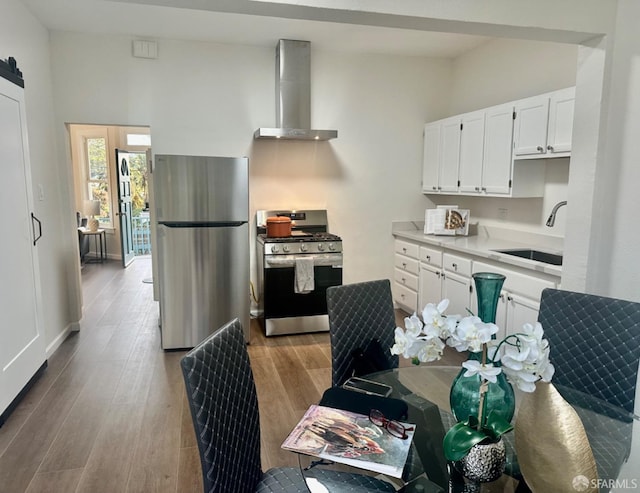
{"x":293,"y":95}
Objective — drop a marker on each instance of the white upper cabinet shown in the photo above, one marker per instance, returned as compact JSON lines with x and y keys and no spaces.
{"x":481,"y":153}
{"x":441,"y":156}
{"x":431,"y":163}
{"x":498,"y":142}
{"x":450,"y":149}
{"x":530,"y":136}
{"x":560,"y":129}
{"x":471,"y":151}
{"x":544,"y":125}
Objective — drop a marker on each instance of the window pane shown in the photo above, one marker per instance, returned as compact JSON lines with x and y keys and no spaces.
{"x":139,"y":177}
{"x":138,"y":140}
{"x":97,"y":157}
{"x":99,"y":191}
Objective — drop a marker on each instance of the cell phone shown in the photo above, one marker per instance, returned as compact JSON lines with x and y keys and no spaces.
{"x":367,"y":386}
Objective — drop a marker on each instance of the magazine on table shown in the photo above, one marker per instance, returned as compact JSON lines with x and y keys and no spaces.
{"x":349,"y":438}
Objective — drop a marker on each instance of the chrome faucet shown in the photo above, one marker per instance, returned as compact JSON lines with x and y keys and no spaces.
{"x":552,"y":217}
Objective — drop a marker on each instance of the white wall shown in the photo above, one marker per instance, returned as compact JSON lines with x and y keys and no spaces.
{"x":613,"y":267}
{"x":207,"y":99}
{"x":23,"y":38}
{"x":503,"y":70}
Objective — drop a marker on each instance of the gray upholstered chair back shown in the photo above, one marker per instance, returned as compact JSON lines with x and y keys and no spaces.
{"x":358,"y":313}
{"x":595,"y":343}
{"x":224,"y":407}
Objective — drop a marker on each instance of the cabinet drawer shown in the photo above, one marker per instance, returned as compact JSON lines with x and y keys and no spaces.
{"x":405,"y":297}
{"x":455,"y":263}
{"x":406,"y":248}
{"x":407,"y":264}
{"x":431,"y":256}
{"x":526,"y":285}
{"x":406,"y":279}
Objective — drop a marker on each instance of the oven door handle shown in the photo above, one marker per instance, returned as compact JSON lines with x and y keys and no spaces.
{"x":289,"y":261}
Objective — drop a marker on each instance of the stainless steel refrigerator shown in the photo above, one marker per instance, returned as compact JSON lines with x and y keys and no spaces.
{"x":201,"y":214}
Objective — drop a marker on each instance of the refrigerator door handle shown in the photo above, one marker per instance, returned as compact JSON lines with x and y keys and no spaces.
{"x":187,"y":224}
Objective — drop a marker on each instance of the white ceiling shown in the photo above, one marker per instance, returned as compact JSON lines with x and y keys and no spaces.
{"x":124,"y":17}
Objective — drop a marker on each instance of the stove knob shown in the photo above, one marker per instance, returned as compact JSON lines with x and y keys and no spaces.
{"x":285,"y":248}
{"x":274,"y":249}
{"x":332,"y":246}
{"x":321,"y":247}
{"x":303,"y":248}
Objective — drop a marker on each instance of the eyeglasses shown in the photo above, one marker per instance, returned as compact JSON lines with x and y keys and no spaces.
{"x":394,"y":428}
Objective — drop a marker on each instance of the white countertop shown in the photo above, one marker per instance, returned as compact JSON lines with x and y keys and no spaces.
{"x":483,"y":245}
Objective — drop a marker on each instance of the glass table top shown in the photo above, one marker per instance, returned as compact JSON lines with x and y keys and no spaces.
{"x":426,"y":390}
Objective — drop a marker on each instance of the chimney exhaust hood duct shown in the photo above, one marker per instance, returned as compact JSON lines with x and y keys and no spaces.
{"x":293,"y":95}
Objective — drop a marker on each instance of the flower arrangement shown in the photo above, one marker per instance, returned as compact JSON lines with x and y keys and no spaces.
{"x":523,"y":357}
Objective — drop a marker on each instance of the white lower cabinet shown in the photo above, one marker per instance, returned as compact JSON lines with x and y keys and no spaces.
{"x":520,"y":297}
{"x":427,"y":274}
{"x":457,"y":284}
{"x":451,"y":280}
{"x":430,"y":285}
{"x":457,"y":289}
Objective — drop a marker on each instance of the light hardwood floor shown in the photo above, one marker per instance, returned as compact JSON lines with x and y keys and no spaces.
{"x":110,"y":414}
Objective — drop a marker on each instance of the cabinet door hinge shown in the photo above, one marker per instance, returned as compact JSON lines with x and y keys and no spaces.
{"x":458,"y":182}
{"x":509,"y":183}
{"x":514,"y":114}
{"x":461,"y":125}
{"x":470,"y":288}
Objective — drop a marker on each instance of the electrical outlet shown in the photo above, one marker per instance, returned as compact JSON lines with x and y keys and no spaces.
{"x":503,"y":213}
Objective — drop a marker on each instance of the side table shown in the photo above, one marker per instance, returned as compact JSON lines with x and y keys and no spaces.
{"x":100,"y":237}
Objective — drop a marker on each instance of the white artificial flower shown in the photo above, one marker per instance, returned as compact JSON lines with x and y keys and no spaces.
{"x":523,"y":356}
{"x":471,"y":333}
{"x":514,"y":357}
{"x":403,"y":342}
{"x":525,"y":381}
{"x":430,"y":350}
{"x":436,"y":323}
{"x":413,"y":325}
{"x":488,"y":372}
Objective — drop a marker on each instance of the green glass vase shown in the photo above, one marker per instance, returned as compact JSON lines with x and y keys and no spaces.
{"x":464,"y":397}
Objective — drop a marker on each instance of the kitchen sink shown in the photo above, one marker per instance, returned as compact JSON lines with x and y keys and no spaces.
{"x":545,"y":257}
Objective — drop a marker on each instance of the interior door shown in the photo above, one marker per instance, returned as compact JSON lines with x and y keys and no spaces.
{"x":22,"y":344}
{"x":124,"y":207}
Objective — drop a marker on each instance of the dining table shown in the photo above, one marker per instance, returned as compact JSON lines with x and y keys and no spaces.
{"x":613,"y":436}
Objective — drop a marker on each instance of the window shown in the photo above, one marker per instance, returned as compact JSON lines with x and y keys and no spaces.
{"x":138,"y":140}
{"x":97,"y":174}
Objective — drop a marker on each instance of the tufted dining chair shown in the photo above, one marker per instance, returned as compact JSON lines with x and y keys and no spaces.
{"x":359,"y":314}
{"x":595,"y":343}
{"x":224,"y":409}
{"x":595,"y":348}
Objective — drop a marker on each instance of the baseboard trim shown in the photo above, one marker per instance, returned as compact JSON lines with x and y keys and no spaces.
{"x":57,"y":342}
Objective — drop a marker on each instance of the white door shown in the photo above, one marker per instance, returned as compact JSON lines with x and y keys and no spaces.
{"x":22,"y":346}
{"x":530,"y":136}
{"x":498,"y":143}
{"x":471,"y":152}
{"x":430,"y":286}
{"x":561,"y":120}
{"x":457,"y":289}
{"x":450,"y":149}
{"x":431,"y":158}
{"x":520,"y":310}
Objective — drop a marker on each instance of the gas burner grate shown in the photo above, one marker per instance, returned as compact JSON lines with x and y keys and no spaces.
{"x":298,"y":237}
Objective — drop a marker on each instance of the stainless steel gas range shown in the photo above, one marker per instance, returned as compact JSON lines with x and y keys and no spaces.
{"x":311,"y":257}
